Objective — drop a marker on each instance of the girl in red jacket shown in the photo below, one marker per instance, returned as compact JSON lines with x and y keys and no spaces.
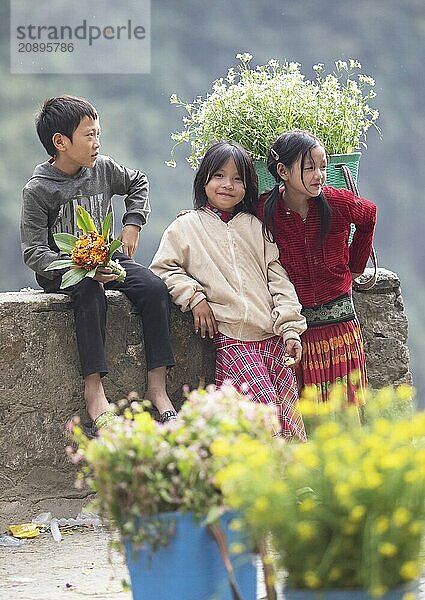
{"x":310,"y":223}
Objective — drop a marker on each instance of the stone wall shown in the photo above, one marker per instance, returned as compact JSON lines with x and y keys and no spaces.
{"x":41,"y":388}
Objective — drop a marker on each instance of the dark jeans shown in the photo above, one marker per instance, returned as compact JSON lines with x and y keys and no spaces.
{"x":146,"y":292}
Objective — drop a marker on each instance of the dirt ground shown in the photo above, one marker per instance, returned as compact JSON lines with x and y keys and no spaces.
{"x":81,"y":566}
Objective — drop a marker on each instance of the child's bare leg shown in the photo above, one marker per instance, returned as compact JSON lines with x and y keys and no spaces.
{"x":94,"y":395}
{"x":157,"y":392}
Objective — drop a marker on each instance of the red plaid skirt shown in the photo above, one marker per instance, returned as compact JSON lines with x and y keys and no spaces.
{"x":333,"y":354}
{"x":256,"y":369}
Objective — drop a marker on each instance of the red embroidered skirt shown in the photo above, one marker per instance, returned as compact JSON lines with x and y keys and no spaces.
{"x":256,"y":369}
{"x":333,"y":354}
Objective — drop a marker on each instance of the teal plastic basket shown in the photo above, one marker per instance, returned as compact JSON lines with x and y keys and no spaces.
{"x":265,"y":181}
{"x":334,"y":174}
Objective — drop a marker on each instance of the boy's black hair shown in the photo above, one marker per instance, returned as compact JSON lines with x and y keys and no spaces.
{"x":287,"y":149}
{"x":61,"y":114}
{"x":215,"y":157}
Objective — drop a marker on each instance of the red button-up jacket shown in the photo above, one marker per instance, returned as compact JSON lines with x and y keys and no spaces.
{"x":322,"y":272}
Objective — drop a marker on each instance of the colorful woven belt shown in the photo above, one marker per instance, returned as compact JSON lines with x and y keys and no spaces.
{"x":335,"y":311}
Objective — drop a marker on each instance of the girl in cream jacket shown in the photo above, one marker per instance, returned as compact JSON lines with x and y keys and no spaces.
{"x":216,"y":262}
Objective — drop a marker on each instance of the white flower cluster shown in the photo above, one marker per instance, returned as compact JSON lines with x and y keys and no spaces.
{"x":252,"y":106}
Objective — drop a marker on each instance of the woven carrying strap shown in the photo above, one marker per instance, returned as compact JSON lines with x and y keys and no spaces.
{"x":351,"y":185}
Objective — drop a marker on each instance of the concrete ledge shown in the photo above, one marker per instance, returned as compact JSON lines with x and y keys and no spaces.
{"x":41,"y":387}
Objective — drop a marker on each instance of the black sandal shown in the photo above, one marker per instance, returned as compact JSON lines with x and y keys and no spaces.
{"x":168,"y":415}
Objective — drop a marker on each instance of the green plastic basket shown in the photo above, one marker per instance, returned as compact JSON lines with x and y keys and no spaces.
{"x":334,"y":174}
{"x":265,"y":181}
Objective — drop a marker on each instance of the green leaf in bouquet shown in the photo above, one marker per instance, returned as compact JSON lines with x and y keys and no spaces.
{"x":72,"y":277}
{"x":60,"y":264}
{"x":91,"y":273}
{"x":113,"y":247}
{"x":84,"y":220}
{"x":65,"y":241}
{"x":106,"y":226}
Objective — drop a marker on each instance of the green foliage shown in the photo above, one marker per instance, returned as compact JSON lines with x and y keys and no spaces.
{"x":85,"y":222}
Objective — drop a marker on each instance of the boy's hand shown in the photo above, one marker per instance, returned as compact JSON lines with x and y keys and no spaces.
{"x":293,"y":349}
{"x":203,"y":319}
{"x":105,"y":275}
{"x":130,"y":239}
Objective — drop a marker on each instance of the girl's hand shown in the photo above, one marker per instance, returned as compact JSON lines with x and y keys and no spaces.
{"x":293,"y":349}
{"x":203,"y":319}
{"x":355,"y":275}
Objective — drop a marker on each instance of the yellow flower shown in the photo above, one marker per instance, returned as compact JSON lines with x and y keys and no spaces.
{"x":308,"y":458}
{"x":409,"y":570}
{"x":335,"y":573}
{"x":306,"y":530}
{"x":357,"y":513}
{"x":411,"y":476}
{"x":229,"y":473}
{"x":220,"y":447}
{"x":278,"y":487}
{"x":401,"y":516}
{"x":307,"y":505}
{"x":372,"y":480}
{"x":312,"y":580}
{"x":405,"y":392}
{"x":378,"y":590}
{"x":327,"y":430}
{"x":387,"y":549}
{"x":343,"y":491}
{"x":261,"y":504}
{"x":237,"y":548}
{"x":381,"y":524}
{"x":416,"y":527}
{"x":332,"y":468}
{"x":235,"y":525}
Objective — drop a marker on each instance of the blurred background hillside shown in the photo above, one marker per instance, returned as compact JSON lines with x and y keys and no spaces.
{"x":193,"y":43}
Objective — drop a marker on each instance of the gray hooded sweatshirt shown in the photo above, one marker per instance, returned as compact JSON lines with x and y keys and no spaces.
{"x":50,"y":198}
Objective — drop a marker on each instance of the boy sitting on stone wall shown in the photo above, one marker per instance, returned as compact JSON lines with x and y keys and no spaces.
{"x":69,"y":129}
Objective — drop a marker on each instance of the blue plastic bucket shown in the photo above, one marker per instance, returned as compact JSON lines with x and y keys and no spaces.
{"x":190,"y":567}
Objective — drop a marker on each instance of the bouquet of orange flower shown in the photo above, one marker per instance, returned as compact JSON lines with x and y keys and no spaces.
{"x":88,"y":252}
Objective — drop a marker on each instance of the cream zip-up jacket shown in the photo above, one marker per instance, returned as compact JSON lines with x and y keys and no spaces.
{"x":235,"y":269}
